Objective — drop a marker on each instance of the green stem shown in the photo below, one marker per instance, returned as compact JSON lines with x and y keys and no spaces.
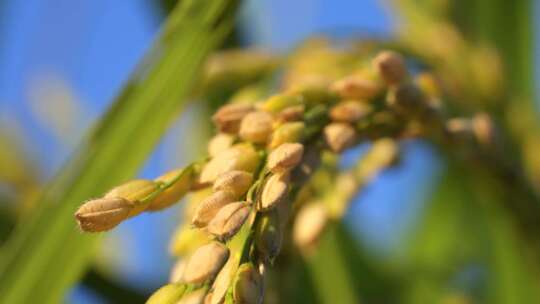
{"x":330,"y":271}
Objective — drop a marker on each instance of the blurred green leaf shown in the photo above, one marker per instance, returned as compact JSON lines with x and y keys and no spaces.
{"x":340,"y":271}
{"x":443,"y":243}
{"x":467,"y":245}
{"x":330,"y":271}
{"x":471,"y":218}
{"x":47,"y":253}
{"x":512,"y":276}
{"x":508,"y":26}
{"x":293,"y":280}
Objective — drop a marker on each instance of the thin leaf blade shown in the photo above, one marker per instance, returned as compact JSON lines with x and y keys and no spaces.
{"x":47,"y":253}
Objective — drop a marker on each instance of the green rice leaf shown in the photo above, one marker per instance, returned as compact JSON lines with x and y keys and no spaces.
{"x":46,"y":253}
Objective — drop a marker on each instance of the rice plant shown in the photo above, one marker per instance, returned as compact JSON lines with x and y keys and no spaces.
{"x":265,"y":204}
